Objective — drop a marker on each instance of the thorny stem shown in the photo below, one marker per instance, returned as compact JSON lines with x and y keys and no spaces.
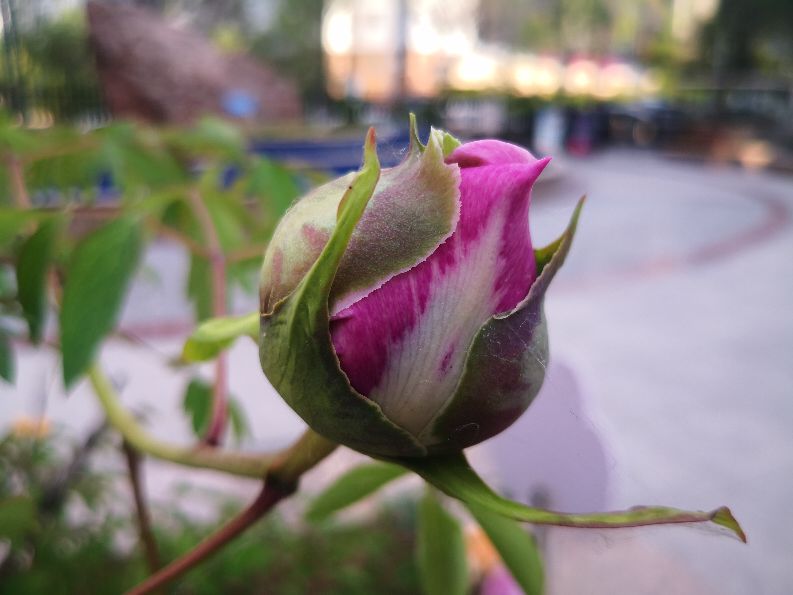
{"x":217,"y":262}
{"x":281,"y":482}
{"x":235,"y":463}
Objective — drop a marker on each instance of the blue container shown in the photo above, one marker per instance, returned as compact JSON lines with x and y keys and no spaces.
{"x":335,"y":156}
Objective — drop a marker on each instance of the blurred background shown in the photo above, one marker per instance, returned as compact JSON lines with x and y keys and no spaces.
{"x":671,"y":380}
{"x":695,"y":78}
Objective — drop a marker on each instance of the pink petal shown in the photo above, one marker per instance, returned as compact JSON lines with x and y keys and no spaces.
{"x":489,"y":152}
{"x":404,"y":345}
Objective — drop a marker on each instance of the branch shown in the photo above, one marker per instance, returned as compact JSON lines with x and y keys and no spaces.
{"x":72,"y":147}
{"x":217,"y":262}
{"x":245,"y":465}
{"x":55,"y":493}
{"x":264,"y":502}
{"x":147,"y":541}
{"x":19,"y":190}
{"x":281,"y":482}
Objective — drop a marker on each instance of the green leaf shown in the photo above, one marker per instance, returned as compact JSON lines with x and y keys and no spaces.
{"x":216,"y":334}
{"x":32,"y":265}
{"x":211,"y":137}
{"x":296,"y":352}
{"x":199,"y":286}
{"x":454,"y":476}
{"x":237,"y":420}
{"x":226,"y":219}
{"x":65,"y":173}
{"x":274,"y":185}
{"x":356,"y":484}
{"x":17,"y":517}
{"x":138,"y":160}
{"x":440,"y":550}
{"x":100,"y":271}
{"x":7,"y":368}
{"x":8,"y":287}
{"x":14,"y":221}
{"x":517,"y":548}
{"x":16,"y":139}
{"x":161,"y":205}
{"x":197,"y":404}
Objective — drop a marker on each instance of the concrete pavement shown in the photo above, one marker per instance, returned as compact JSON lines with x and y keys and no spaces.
{"x":674,"y":321}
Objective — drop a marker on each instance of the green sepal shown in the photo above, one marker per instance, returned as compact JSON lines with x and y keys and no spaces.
{"x":415,"y":207}
{"x":448,"y":142}
{"x":561,"y":245}
{"x":452,"y":475}
{"x":297,"y":354}
{"x":505,"y":365}
{"x":415,"y":141}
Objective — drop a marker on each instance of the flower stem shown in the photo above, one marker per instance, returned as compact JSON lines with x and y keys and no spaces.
{"x":281,"y":482}
{"x":147,"y":541}
{"x":217,"y":263}
{"x":246,"y":465}
{"x":19,"y":189}
{"x":266,"y":500}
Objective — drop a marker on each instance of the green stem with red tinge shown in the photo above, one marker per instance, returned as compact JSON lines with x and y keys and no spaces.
{"x":217,"y":264}
{"x":280,"y":482}
{"x":236,"y":463}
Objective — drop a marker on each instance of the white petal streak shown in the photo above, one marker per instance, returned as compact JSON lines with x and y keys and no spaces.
{"x":423,"y":369}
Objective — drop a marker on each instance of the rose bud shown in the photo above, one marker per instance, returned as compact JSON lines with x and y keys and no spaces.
{"x":411,"y":324}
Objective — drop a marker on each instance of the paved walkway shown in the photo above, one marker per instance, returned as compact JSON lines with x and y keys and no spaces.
{"x":672,"y":345}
